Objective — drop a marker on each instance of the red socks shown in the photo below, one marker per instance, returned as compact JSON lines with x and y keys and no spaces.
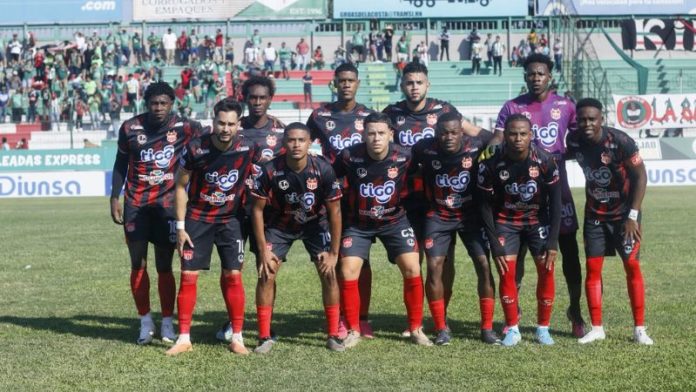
{"x":186,"y":301}
{"x":166,"y":285}
{"x":351,"y":303}
{"x":636,"y":288}
{"x":486,"y":305}
{"x":332,"y":312}
{"x":365,"y":288}
{"x":437,"y":310}
{"x":263,"y":314}
{"x":233,"y":293}
{"x":508,"y":293}
{"x":140,"y":287}
{"x":593,"y":288}
{"x":413,"y":299}
{"x":545,"y":292}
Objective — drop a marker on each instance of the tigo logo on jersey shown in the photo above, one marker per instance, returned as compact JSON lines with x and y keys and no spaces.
{"x":171,"y":136}
{"x":339,"y":142}
{"x":161,"y":158}
{"x":408,"y":138}
{"x":601,"y":176}
{"x":457,"y":183}
{"x":526,"y":191}
{"x":225,"y":182}
{"x":382,"y":193}
{"x":547,"y":135}
{"x":312,"y":184}
{"x":392,"y":172}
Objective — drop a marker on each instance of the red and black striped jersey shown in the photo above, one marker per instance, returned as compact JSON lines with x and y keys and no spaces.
{"x":449,"y":179}
{"x":217,"y":186}
{"x":409,"y":128}
{"x":374,"y":189}
{"x":268,"y":137}
{"x":336,"y":129}
{"x":153,"y":157}
{"x":607,"y":183}
{"x":296,"y":200}
{"x":519,"y":189}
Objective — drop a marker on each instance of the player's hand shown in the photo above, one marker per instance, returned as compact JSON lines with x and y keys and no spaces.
{"x":327,"y":263}
{"x":632,"y":231}
{"x":268,"y":265}
{"x":116,"y":212}
{"x":501,"y":263}
{"x":549,"y":258}
{"x":182,"y":238}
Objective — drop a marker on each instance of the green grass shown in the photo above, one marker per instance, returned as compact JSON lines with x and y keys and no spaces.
{"x":67,"y":319}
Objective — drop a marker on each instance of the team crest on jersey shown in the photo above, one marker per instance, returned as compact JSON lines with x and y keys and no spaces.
{"x":429,"y":243}
{"x":528,"y":115}
{"x":271,"y":140}
{"x":606,"y":159}
{"x":467,"y":162}
{"x":555,"y":114}
{"x":187,"y":254}
{"x":141,"y":138}
{"x":534,"y":171}
{"x":392,"y":172}
{"x":171,"y":136}
{"x":347,"y":242}
{"x":359,"y":125}
{"x":330,"y":125}
{"x":436,"y":164}
{"x":284,"y":185}
{"x":431,"y":119}
{"x":361,"y":172}
{"x":401,"y":120}
{"x":504,"y":175}
{"x":312,"y":184}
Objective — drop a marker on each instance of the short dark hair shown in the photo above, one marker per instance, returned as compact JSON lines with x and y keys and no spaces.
{"x":376,"y":118}
{"x":415,"y":68}
{"x":588,"y":102}
{"x":228,"y":105}
{"x":258,"y":81}
{"x":296,"y":125}
{"x":159,"y":88}
{"x":346,"y":67}
{"x":538,"y":58}
{"x":447,"y":117}
{"x":517,"y":117}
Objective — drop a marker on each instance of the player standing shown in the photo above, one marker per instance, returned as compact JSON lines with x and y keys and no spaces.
{"x":552,"y":118}
{"x":414,"y":119}
{"x":615,"y":183}
{"x":448,"y":164}
{"x":302,"y":192}
{"x":376,"y":173}
{"x":267,"y":132}
{"x":214,"y":168}
{"x":149,"y":146}
{"x":338,"y":125}
{"x":522,"y":203}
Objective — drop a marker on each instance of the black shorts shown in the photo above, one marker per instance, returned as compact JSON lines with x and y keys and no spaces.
{"x":227,"y":237}
{"x":397,"y":238}
{"x":439,"y":234}
{"x":316,"y":239}
{"x":511,"y":237}
{"x":607,"y":238}
{"x":152,"y":223}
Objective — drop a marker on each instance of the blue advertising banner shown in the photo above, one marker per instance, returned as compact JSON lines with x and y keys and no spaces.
{"x":63,"y":11}
{"x":616,"y":7}
{"x":398,"y":9}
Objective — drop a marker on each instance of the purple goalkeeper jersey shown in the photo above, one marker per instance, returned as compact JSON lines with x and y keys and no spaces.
{"x":551,"y":121}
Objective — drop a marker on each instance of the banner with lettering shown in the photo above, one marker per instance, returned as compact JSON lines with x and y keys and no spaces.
{"x":658,"y":34}
{"x":655,"y":111}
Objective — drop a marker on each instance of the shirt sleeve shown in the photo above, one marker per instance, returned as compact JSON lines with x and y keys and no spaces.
{"x":484,"y":179}
{"x":551,"y":175}
{"x":123,"y":146}
{"x":502,"y":116}
{"x":629,"y":150}
{"x":262,"y":185}
{"x":330,"y":185}
{"x":186,"y":159}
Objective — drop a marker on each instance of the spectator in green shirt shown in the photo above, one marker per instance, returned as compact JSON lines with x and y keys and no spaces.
{"x":153,"y":42}
{"x":358,"y":44}
{"x":285,"y":56}
{"x":125,"y":45}
{"x":137,"y":44}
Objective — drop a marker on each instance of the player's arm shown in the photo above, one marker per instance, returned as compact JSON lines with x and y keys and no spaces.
{"x":328,"y":260}
{"x":268,"y":261}
{"x":183,"y":177}
{"x":117,"y":180}
{"x":470,"y":129}
{"x":555,"y":205}
{"x":635,"y":169}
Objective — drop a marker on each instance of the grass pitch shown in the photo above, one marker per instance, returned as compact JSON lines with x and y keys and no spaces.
{"x":67,"y":320}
